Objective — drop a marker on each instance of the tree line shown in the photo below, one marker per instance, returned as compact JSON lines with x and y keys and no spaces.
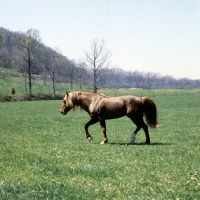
{"x":25,"y":53}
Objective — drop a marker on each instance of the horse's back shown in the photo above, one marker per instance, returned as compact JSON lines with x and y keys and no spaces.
{"x":115,"y":107}
{"x":121,"y":101}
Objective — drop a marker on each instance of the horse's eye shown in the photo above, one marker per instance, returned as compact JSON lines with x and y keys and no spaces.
{"x":64,"y":101}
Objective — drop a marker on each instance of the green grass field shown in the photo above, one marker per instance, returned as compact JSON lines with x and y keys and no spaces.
{"x":44,"y":155}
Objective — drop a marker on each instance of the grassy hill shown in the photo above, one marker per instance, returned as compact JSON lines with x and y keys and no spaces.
{"x":15,"y":79}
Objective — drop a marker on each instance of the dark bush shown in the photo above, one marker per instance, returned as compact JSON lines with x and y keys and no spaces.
{"x":27,"y":97}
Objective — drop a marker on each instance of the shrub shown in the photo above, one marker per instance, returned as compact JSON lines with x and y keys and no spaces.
{"x":12,"y":91}
{"x":27,"y":97}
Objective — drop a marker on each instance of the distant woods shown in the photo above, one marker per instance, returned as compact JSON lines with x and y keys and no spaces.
{"x":25,"y":53}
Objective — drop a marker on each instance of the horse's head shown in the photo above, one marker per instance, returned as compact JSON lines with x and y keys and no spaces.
{"x":67,"y":104}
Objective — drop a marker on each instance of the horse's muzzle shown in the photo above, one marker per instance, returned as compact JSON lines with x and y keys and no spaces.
{"x":63,"y":113}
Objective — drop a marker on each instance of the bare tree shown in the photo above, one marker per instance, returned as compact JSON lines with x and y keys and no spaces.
{"x":97,"y":62}
{"x":137,"y":76}
{"x":30,"y":44}
{"x":149,"y":78}
{"x":70,"y":72}
{"x":51,"y":61}
{"x":80,"y":71}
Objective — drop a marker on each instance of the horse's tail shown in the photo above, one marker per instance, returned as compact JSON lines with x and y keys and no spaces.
{"x":150,"y":112}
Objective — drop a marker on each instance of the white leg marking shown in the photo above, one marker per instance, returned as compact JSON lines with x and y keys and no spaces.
{"x":103,"y":142}
{"x":90,"y":139}
{"x":133,"y":137}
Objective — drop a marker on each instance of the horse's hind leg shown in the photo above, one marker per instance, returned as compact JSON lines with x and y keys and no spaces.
{"x":133,"y":135}
{"x":92,"y":121}
{"x":145,"y":128}
{"x":140,"y":124}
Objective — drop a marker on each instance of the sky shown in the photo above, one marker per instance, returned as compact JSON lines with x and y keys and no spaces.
{"x":159,"y":36}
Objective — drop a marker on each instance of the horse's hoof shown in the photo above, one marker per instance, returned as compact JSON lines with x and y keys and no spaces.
{"x":104,"y":142}
{"x":90,"y":139}
{"x":147,"y":143}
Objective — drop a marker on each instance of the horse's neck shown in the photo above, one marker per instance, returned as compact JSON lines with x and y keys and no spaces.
{"x":84,"y":102}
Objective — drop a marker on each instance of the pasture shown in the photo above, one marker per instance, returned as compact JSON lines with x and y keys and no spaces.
{"x":45,"y":155}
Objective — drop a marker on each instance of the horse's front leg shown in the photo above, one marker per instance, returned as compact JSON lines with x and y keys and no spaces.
{"x":103,"y":128}
{"x":92,"y":121}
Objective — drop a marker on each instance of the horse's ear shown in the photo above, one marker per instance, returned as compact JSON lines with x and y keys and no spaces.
{"x":67,"y":93}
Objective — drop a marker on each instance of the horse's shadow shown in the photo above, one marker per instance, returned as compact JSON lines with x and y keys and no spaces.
{"x":141,"y":143}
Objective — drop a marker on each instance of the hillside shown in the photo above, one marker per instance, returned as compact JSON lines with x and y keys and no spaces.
{"x":12,"y":53}
{"x":13,"y":79}
{"x":49,"y":66}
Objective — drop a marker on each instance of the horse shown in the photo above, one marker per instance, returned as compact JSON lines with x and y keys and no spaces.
{"x":101,"y":108}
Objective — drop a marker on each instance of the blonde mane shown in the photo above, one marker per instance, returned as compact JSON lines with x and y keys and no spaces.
{"x":73,"y":97}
